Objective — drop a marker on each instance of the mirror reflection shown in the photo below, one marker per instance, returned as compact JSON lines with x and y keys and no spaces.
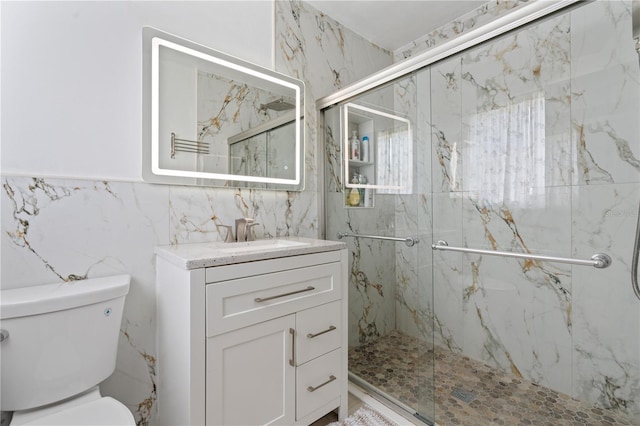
{"x":216,"y":120}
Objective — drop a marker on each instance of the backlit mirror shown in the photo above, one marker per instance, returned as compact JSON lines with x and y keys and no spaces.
{"x":215,"y":120}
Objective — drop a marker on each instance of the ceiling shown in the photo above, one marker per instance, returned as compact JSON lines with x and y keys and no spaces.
{"x":393,"y":24}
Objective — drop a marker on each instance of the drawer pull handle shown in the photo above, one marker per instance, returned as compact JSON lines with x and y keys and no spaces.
{"x":331,"y":328}
{"x":331,"y":379}
{"x":292,"y":361}
{"x":264,"y":299}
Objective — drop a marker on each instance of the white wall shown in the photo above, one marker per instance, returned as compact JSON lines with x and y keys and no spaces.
{"x":72,"y":77}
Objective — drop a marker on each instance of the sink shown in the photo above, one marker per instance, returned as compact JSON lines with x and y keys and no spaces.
{"x":260,"y":245}
{"x":204,"y":255}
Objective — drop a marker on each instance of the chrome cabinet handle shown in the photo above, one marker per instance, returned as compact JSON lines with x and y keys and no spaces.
{"x":4,"y":335}
{"x":331,"y":328}
{"x":292,"y":361}
{"x":331,"y":379}
{"x":264,"y":299}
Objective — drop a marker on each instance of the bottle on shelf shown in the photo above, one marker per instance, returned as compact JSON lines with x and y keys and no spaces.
{"x":354,"y":194}
{"x":365,"y":149}
{"x":354,"y":146}
{"x":367,"y":195}
{"x":362,"y":180}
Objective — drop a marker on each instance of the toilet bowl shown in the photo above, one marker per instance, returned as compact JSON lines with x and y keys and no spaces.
{"x":58,"y":342}
{"x":88,"y":409}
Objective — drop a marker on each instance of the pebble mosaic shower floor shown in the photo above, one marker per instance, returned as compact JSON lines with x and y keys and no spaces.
{"x":397,"y":366}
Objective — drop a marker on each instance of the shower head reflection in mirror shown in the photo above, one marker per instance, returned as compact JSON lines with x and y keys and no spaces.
{"x":210,"y":99}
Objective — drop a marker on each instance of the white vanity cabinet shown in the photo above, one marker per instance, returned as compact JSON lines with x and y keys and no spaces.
{"x":252,"y":343}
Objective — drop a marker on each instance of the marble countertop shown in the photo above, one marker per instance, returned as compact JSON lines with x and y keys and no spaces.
{"x":202,"y":255}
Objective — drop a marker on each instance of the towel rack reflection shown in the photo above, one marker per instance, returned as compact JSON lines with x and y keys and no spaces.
{"x":598,"y":260}
{"x":185,"y":145}
{"x":409,"y":241}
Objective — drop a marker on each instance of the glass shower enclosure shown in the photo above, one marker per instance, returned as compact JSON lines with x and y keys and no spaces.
{"x":387,"y":230}
{"x":491,"y":225}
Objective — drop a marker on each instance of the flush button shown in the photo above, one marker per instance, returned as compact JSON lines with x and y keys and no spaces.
{"x":4,"y":335}
{"x":107,"y":312}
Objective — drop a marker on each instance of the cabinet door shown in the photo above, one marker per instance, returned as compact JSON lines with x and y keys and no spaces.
{"x":249,"y":378}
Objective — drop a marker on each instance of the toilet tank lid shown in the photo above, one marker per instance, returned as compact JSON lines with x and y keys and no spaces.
{"x":19,"y":302}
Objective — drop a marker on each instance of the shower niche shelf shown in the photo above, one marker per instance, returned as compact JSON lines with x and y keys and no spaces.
{"x":389,"y":141}
{"x":362,"y":126}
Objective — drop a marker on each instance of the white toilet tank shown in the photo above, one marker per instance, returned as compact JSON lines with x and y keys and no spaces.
{"x":60,"y":339}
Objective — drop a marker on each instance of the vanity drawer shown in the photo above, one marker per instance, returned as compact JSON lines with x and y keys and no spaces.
{"x":238,"y":303}
{"x":318,"y":331}
{"x":318,"y":383}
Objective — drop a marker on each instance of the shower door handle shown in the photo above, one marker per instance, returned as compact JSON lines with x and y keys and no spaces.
{"x":598,"y":260}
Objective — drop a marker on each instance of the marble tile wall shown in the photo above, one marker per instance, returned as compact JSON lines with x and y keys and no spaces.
{"x":568,"y":188}
{"x":372,"y":288}
{"x":55,"y":229}
{"x":605,"y":196}
{"x":484,"y":14}
{"x":504,"y":302}
{"x":570,"y":328}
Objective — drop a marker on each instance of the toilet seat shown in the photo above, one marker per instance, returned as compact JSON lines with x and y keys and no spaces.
{"x":105,"y":411}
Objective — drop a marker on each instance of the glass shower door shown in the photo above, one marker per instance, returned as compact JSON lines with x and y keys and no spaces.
{"x":535,"y":151}
{"x":377,"y":204}
{"x":525,"y":144}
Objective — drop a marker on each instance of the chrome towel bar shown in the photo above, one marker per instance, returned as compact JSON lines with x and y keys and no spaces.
{"x":186,"y":145}
{"x":599,"y":260}
{"x":409,"y":241}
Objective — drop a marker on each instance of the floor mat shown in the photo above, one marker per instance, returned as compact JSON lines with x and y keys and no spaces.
{"x":365,"y":416}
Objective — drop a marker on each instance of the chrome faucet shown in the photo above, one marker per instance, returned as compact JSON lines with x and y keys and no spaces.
{"x":230,"y":238}
{"x":243,"y":229}
{"x":251,"y":235}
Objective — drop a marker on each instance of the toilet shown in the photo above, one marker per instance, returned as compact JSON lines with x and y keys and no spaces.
{"x":57,"y":343}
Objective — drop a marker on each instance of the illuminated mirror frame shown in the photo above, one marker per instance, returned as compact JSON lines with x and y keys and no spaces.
{"x":153,"y":39}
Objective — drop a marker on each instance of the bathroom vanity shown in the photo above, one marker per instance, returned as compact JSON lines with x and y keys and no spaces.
{"x":252,"y":333}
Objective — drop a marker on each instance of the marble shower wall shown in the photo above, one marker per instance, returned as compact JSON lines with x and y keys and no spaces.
{"x":605,"y":198}
{"x":56,"y":229}
{"x":503,"y":204}
{"x":527,"y":143}
{"x":377,"y":304}
{"x":372,"y":288}
{"x":568,"y":188}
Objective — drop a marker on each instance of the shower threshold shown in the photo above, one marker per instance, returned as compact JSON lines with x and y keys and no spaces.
{"x":390,"y":402}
